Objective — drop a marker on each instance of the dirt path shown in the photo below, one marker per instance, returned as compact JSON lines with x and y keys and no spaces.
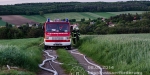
{"x":88,"y":64}
{"x":47,"y":65}
{"x":91,"y":67}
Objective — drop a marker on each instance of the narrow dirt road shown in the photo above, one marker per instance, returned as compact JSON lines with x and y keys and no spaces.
{"x":91,"y":67}
{"x":51,"y":65}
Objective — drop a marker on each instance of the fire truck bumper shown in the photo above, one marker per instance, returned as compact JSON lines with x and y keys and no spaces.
{"x":57,"y":43}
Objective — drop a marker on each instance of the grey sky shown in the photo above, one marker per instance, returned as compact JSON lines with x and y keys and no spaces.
{"x":5,"y":2}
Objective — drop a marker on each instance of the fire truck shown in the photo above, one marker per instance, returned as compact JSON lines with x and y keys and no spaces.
{"x":57,"y":33}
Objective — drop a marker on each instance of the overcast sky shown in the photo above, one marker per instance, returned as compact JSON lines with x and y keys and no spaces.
{"x":5,"y":2}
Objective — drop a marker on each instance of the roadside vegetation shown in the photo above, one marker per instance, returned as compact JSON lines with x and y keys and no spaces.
{"x":125,"y":52}
{"x":70,"y":64}
{"x":25,"y":54}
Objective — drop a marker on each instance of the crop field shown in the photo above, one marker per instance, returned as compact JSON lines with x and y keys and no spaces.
{"x":2,"y":23}
{"x":16,"y":19}
{"x":126,"y":12}
{"x":104,"y":14}
{"x":36,"y":18}
{"x":77,"y":15}
{"x":22,"y":53}
{"x":125,"y":52}
{"x":71,"y":15}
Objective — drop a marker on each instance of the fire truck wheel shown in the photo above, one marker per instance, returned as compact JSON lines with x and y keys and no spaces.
{"x":45,"y":47}
{"x":69,"y":47}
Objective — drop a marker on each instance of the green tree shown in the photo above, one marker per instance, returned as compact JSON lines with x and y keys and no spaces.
{"x":41,"y":13}
{"x":83,"y":19}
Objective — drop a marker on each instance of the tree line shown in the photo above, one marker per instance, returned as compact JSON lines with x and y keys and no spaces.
{"x":56,"y":7}
{"x":119,"y":24}
{"x":24,"y":31}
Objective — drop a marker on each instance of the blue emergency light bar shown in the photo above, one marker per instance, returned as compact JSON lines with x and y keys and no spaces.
{"x":48,"y":20}
{"x":67,"y":20}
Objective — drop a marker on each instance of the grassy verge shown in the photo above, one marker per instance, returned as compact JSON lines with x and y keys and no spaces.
{"x":70,"y":64}
{"x":22,"y":53}
{"x":126,"y":53}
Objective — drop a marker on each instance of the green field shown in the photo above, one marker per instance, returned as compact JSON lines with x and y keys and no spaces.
{"x":124,"y":52}
{"x":78,"y":15}
{"x":126,"y":12}
{"x":22,"y":53}
{"x":104,"y":14}
{"x":2,"y":23}
{"x":36,"y":18}
{"x":71,"y":15}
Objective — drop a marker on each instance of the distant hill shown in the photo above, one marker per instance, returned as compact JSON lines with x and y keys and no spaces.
{"x":61,"y":7}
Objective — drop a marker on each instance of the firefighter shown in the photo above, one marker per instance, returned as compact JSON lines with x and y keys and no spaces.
{"x":75,"y":34}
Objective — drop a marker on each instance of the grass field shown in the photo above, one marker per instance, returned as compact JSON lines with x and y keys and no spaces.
{"x":126,"y":12}
{"x":2,"y":23}
{"x":71,"y":15}
{"x":36,"y":18}
{"x":104,"y":14}
{"x":78,"y":15}
{"x":125,"y":52}
{"x":22,"y":53}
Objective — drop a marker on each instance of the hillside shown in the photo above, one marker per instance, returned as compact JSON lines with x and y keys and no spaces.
{"x":61,"y":7}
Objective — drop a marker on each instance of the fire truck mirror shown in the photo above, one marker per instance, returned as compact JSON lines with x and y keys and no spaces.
{"x":71,"y":28}
{"x":43,"y":28}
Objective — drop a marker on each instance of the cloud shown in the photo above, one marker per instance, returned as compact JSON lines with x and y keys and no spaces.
{"x":7,"y":0}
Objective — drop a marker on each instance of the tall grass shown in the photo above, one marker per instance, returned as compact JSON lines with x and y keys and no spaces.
{"x":126,"y":52}
{"x":23,"y":53}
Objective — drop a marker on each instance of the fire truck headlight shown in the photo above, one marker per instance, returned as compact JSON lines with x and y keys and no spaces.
{"x":67,"y":38}
{"x":47,"y":37}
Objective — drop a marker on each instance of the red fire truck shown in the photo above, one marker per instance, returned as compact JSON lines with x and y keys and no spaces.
{"x":57,"y":33}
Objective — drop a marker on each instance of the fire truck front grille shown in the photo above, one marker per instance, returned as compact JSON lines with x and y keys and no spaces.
{"x":57,"y":38}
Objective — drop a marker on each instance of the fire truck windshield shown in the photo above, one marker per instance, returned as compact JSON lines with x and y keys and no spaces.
{"x":57,"y":27}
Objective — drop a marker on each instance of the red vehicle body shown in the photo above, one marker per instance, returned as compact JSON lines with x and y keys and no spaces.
{"x":57,"y":33}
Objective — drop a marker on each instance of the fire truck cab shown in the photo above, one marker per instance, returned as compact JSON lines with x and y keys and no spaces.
{"x":57,"y":33}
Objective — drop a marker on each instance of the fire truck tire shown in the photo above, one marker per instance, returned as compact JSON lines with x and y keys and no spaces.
{"x":45,"y":47}
{"x":69,"y":47}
